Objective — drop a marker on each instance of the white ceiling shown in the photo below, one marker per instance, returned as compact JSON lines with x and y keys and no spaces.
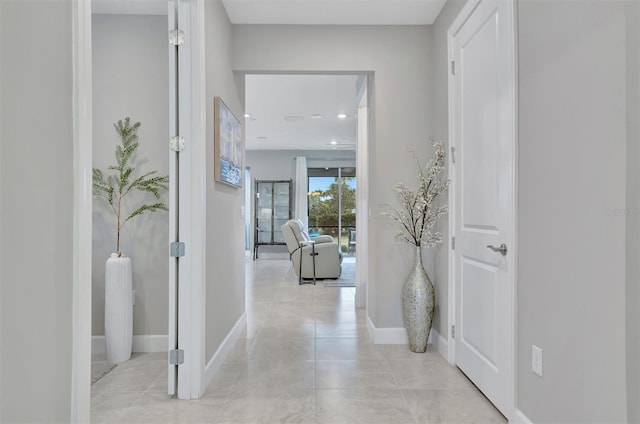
{"x":130,"y":7}
{"x":271,"y":98}
{"x":300,"y":12}
{"x":334,"y":12}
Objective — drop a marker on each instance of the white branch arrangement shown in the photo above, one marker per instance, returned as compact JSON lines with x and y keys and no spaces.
{"x":419,"y":211}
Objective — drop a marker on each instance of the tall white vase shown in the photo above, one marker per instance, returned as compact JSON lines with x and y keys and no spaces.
{"x":118,"y":308}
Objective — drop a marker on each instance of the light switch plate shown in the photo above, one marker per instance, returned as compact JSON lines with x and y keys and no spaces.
{"x":536,"y":360}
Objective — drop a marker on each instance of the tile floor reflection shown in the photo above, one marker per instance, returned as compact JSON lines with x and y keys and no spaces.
{"x":305,"y":357}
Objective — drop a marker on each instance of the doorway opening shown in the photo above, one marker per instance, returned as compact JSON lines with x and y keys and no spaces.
{"x":310,"y":130}
{"x":130,"y":79}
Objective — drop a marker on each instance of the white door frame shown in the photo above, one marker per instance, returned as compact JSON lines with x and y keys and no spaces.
{"x":455,"y":27}
{"x":172,"y":336}
{"x":194,"y":306}
{"x":82,"y":212}
{"x":192,"y":200}
{"x":362,"y":194}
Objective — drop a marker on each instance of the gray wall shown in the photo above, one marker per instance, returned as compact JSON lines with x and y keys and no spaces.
{"x":131,"y":78}
{"x":1,"y":190}
{"x":225,"y":223}
{"x":280,"y":164}
{"x":571,"y":170}
{"x":439,"y":100}
{"x":36,"y":221}
{"x":439,"y":90}
{"x":400,"y":61}
{"x":271,"y":164}
{"x":633,"y":211}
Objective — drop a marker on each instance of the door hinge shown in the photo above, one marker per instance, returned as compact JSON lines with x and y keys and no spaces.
{"x":177,"y":249}
{"x":453,"y":154}
{"x":453,"y":331}
{"x":176,"y":357}
{"x":176,"y":37}
{"x":453,"y":243}
{"x":453,"y":67}
{"x":176,"y":144}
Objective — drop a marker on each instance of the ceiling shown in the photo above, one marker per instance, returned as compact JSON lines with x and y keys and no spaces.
{"x":130,"y":7}
{"x":300,"y":112}
{"x":300,"y":12}
{"x":334,"y":12}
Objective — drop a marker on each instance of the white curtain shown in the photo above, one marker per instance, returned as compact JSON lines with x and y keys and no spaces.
{"x":301,"y":191}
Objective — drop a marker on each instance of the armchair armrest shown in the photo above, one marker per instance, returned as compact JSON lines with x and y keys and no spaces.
{"x":322,"y":239}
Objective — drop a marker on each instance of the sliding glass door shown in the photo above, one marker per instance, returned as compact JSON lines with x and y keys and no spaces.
{"x":332,"y":205}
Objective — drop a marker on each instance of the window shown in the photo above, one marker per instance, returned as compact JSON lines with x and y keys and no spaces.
{"x":332,"y":204}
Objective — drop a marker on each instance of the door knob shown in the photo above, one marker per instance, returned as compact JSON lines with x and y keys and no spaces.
{"x":502,"y":249}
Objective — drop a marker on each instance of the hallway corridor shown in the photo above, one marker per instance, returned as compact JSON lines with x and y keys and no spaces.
{"x":304,"y":357}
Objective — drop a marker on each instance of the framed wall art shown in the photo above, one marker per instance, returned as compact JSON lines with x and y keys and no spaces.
{"x":228,"y":145}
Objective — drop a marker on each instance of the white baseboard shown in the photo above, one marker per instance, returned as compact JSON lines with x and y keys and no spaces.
{"x":520,"y":418}
{"x":440,"y":343}
{"x":398,"y":335}
{"x":390,"y":335}
{"x":227,"y":344}
{"x":151,"y":343}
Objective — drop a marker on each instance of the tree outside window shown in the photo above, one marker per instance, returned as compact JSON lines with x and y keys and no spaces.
{"x":323,"y":206}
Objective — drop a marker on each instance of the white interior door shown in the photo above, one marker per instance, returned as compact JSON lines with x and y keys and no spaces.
{"x":174,"y":167}
{"x":187,"y":171}
{"x":483,"y":96}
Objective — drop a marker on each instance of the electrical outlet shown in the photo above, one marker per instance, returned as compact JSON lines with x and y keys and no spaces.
{"x":536,"y":360}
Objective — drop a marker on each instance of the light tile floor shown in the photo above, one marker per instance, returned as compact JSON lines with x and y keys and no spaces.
{"x":305,"y":357}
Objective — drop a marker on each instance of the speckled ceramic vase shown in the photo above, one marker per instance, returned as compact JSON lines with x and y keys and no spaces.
{"x":418,"y":301}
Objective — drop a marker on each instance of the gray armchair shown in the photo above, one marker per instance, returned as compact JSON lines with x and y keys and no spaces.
{"x":312,"y":257}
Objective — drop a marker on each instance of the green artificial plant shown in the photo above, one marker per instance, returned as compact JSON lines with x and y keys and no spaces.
{"x":115,"y":187}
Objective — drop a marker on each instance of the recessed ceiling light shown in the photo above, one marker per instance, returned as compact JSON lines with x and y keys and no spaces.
{"x":317,"y":116}
{"x":334,"y":142}
{"x":247,"y":115}
{"x":342,"y":116}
